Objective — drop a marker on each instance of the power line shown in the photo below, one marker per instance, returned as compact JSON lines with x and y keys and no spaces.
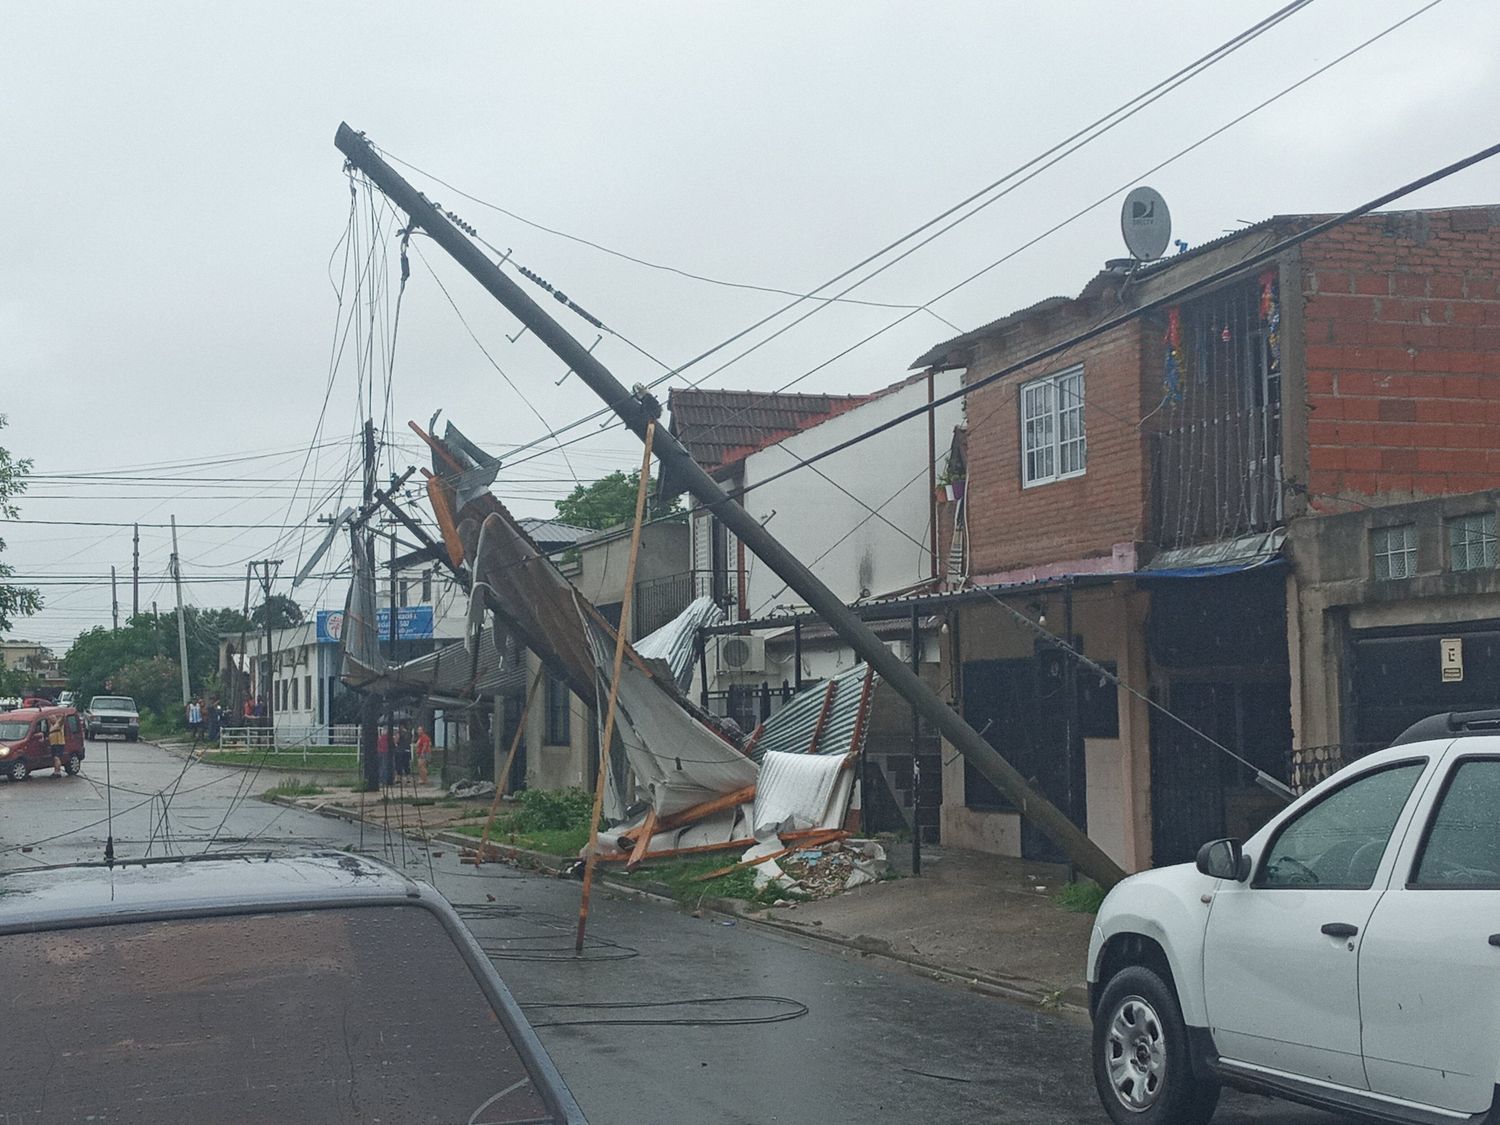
{"x":1079,"y":139}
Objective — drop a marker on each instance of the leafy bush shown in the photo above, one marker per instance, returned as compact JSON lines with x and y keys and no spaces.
{"x":552,"y":809}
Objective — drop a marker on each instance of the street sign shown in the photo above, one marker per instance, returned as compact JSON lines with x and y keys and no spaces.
{"x":1146,"y":224}
{"x":1452,"y":659}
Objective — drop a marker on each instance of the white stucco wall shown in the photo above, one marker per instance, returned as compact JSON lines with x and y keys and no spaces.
{"x":811,"y":513}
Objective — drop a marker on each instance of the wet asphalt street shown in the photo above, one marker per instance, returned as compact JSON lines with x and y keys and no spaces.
{"x":875,"y":1043}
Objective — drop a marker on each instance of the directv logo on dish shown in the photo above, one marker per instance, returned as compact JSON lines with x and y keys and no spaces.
{"x":1146,"y":224}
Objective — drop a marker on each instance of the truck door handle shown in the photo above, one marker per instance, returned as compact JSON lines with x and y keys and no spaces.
{"x":1343,"y":929}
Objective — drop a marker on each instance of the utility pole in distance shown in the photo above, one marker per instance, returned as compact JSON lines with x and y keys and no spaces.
{"x":181,"y":621}
{"x":114,"y":600}
{"x":135,"y":573}
{"x":637,"y":410}
{"x":267,"y":570}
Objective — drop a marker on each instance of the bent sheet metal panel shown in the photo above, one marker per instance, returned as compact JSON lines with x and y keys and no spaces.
{"x":791,"y":729}
{"x":678,"y":761}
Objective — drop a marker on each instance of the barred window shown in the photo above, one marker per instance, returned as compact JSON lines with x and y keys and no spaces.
{"x":1394,"y":551}
{"x":1471,"y":542}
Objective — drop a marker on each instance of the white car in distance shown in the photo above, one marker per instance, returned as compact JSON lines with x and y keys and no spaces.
{"x":1346,"y":956}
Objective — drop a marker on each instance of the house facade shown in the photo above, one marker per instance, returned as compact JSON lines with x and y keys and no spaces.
{"x":1261,"y":516}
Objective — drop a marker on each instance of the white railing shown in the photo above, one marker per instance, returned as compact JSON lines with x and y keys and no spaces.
{"x":308,"y":742}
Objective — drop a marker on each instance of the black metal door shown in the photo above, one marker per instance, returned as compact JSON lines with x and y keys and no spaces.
{"x":1021,"y":709}
{"x":1198,"y":792}
{"x":1397,"y":679}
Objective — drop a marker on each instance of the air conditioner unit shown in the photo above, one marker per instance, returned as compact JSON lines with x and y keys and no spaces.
{"x":901,"y":650}
{"x":740,"y":654}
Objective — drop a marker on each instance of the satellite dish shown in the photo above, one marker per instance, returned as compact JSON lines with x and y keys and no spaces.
{"x":1146,"y":224}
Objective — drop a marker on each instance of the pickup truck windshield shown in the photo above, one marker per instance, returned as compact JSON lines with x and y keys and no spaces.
{"x":359,"y":1014}
{"x":112,"y":703}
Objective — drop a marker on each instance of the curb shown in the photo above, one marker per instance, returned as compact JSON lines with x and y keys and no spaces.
{"x":1073,"y":1001}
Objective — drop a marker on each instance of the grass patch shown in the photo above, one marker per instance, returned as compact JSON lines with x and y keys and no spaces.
{"x":681,"y":878}
{"x":553,"y":821}
{"x":550,"y":841}
{"x":1083,"y":897}
{"x":293,"y":787}
{"x":284,"y":760}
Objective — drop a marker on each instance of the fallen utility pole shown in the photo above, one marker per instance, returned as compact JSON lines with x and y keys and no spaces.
{"x":638,"y":411}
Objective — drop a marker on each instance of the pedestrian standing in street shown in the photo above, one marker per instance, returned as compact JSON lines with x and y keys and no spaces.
{"x":403,"y":751}
{"x":195,"y":720}
{"x":383,"y":755}
{"x":57,"y":741}
{"x":424,"y":754}
{"x":214,"y":718}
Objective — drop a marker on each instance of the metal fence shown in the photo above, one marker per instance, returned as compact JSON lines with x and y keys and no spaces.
{"x":308,"y":742}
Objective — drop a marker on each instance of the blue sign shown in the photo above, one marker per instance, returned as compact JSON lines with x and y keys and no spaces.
{"x":413,"y":623}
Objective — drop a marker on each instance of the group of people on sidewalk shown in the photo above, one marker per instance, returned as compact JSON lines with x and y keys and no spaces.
{"x":396,"y":761}
{"x":204,"y":719}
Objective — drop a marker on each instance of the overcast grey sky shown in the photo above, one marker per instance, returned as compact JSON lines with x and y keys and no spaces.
{"x":169,"y":284}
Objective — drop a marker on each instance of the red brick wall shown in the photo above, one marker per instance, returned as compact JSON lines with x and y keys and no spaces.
{"x":1083,"y":517}
{"x":1402,"y":330}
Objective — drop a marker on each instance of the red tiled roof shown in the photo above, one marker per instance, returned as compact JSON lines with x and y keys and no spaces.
{"x":721,"y":427}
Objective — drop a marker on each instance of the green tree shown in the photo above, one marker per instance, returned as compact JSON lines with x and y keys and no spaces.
{"x":103,"y":655}
{"x":282,"y":610}
{"x":15,"y":601}
{"x":610,"y":500}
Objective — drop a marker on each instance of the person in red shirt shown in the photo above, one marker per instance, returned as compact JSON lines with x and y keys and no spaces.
{"x":424,"y":754}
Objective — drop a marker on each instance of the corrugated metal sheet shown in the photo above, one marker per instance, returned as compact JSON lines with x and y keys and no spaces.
{"x":553,"y":534}
{"x":674,"y":642}
{"x":718,"y":427}
{"x":790,"y":730}
{"x":451,"y":672}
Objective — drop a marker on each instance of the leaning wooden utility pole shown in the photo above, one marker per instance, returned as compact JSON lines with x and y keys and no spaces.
{"x":638,"y":411}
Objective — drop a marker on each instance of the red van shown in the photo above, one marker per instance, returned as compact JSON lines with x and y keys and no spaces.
{"x":23,"y":747}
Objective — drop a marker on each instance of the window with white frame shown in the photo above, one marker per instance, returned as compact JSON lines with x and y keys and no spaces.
{"x":1471,"y":542}
{"x":1053,"y":445}
{"x":1394,"y":551}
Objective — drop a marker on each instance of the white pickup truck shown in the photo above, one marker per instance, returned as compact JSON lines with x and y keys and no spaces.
{"x":112,"y":714}
{"x":1346,"y":956}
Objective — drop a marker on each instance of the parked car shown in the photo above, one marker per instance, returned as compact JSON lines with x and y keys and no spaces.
{"x":113,"y":715}
{"x":214,"y":989}
{"x":24,"y":748}
{"x":67,"y":699}
{"x":1346,"y":956}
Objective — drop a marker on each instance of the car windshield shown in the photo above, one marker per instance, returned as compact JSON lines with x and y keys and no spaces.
{"x":366,"y":1013}
{"x":112,"y":703}
{"x":13,"y":730}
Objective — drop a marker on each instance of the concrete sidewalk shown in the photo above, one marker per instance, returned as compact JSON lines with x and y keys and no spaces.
{"x":971,"y":916}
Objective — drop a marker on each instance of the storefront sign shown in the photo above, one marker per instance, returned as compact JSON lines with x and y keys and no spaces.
{"x":413,"y":623}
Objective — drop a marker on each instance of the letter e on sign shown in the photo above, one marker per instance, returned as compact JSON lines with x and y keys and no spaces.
{"x":1452,"y":659}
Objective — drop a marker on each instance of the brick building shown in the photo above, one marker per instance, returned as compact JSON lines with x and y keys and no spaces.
{"x":1268,"y":507}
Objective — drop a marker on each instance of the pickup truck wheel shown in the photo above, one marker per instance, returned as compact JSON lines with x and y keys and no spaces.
{"x":19,"y":770}
{"x":1142,"y":1068}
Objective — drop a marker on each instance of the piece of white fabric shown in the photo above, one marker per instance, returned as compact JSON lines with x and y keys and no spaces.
{"x":796,"y":791}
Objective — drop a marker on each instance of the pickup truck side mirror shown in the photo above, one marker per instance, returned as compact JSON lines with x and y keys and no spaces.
{"x":1223,"y":859}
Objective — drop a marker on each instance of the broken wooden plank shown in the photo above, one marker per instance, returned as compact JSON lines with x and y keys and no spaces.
{"x":694,"y":813}
{"x":647,"y":831}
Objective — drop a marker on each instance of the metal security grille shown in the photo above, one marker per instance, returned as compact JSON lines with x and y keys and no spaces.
{"x":1216,"y":455}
